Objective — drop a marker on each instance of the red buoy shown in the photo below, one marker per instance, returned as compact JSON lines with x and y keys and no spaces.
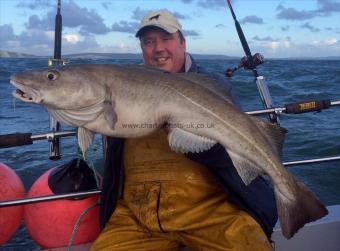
{"x":11,"y":188}
{"x":50,"y":224}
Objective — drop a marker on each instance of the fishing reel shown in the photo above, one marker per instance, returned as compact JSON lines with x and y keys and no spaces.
{"x":247,"y":63}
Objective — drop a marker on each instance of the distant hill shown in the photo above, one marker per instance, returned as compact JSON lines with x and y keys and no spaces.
{"x":10,"y":54}
{"x":103,"y":56}
{"x":212,"y":56}
{"x":309,"y":58}
{"x":138,"y":56}
{"x":135,"y":56}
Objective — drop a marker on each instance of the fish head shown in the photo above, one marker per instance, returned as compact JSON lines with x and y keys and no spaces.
{"x":62,"y":88}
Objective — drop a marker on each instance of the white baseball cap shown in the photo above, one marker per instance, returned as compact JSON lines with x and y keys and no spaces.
{"x":162,"y":19}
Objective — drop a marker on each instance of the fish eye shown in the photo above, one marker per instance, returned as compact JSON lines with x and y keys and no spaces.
{"x":52,"y":75}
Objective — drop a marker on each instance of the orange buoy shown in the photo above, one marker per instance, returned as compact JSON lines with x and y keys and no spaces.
{"x":11,"y":188}
{"x":51,"y":223}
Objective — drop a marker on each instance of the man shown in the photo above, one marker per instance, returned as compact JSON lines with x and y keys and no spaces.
{"x":156,"y":199}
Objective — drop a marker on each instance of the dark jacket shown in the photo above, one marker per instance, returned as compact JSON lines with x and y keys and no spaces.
{"x":257,"y":198}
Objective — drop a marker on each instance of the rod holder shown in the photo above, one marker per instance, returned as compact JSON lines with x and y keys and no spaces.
{"x":266,"y":99}
{"x":54,"y":142}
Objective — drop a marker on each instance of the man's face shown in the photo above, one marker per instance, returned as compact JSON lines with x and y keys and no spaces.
{"x":163,"y":50}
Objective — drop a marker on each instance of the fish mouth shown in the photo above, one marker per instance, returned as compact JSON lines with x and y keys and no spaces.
{"x":25,"y":93}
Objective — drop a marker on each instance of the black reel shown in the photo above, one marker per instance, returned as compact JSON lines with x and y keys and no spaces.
{"x":247,"y":64}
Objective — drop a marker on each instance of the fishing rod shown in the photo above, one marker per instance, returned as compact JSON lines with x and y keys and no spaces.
{"x":79,"y":195}
{"x":250,"y":62}
{"x":54,"y":144}
{"x":18,"y":139}
{"x":299,"y":107}
{"x":75,"y":195}
{"x":251,"y":65}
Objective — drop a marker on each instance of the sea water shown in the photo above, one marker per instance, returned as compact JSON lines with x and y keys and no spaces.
{"x":310,"y":135}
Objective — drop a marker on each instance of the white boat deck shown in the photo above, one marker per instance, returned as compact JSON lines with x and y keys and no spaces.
{"x":321,"y":235}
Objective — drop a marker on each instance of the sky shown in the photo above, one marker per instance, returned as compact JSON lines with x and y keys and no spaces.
{"x":274,"y":28}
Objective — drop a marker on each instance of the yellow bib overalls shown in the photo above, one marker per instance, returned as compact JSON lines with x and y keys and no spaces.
{"x":170,"y":201}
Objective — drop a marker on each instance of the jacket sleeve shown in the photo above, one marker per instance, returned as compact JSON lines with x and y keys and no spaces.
{"x":112,"y":178}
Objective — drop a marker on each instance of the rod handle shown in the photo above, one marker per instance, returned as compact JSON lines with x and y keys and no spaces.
{"x":308,"y":106}
{"x":15,"y":139}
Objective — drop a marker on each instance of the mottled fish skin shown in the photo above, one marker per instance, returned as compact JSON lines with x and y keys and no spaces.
{"x":134,"y":101}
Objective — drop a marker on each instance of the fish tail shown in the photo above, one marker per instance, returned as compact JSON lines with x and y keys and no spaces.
{"x":295,"y":214}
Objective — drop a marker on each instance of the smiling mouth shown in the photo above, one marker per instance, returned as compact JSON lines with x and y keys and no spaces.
{"x":161,"y":59}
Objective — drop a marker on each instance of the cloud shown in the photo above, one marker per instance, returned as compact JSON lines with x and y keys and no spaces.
{"x":325,"y":7}
{"x":327,"y":42}
{"x":285,"y":28}
{"x":251,"y":19}
{"x":139,"y":13}
{"x":36,"y":4}
{"x":309,"y":27}
{"x":88,"y":21}
{"x":332,"y":41}
{"x":6,"y":33}
{"x":33,"y":41}
{"x":34,"y":22}
{"x":71,"y":38}
{"x":328,"y":6}
{"x":124,"y":26}
{"x":36,"y":38}
{"x":40,"y":43}
{"x":212,"y":4}
{"x":106,"y":5}
{"x":274,"y":45}
{"x":88,"y":44}
{"x":265,"y":39}
{"x":288,"y":48}
{"x":220,"y":26}
{"x":191,"y":33}
{"x":293,"y":14}
{"x":180,"y":16}
{"x":332,"y":29}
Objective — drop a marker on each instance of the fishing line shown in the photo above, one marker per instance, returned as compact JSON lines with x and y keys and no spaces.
{"x":14,"y":103}
{"x":77,"y":224}
{"x":83,"y":156}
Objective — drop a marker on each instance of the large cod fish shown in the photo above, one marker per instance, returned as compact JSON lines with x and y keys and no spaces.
{"x":134,"y":101}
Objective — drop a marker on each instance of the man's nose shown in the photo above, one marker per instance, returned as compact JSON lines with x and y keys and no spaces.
{"x":159,"y":46}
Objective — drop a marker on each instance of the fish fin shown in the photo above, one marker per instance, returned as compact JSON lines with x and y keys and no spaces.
{"x":246,"y":169}
{"x":183,"y":141}
{"x":110,"y":114}
{"x":295,"y":214}
{"x":273,"y":133}
{"x":85,"y":138}
{"x":78,"y":117}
